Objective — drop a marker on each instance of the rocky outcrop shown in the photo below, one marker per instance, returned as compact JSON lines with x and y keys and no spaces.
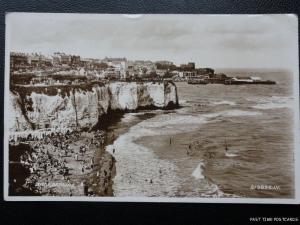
{"x":82,"y":107}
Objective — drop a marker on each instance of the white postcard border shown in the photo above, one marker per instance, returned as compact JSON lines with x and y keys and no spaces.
{"x":295,"y":200}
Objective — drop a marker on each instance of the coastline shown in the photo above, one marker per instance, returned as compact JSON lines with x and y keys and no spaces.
{"x":95,"y":181}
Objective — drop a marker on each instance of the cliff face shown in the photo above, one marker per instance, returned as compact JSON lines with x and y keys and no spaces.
{"x":82,"y":107}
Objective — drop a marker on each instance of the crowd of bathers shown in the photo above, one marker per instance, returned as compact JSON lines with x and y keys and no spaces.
{"x":47,"y":157}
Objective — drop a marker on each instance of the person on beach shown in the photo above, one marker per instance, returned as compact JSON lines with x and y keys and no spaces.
{"x":85,"y":189}
{"x":22,"y":160}
{"x":170,"y":141}
{"x":76,"y":156}
{"x":114,"y":150}
{"x":188,"y":151}
{"x":63,"y":176}
{"x":31,"y":170}
{"x":92,"y":160}
{"x":66,"y":170}
{"x":50,"y":192}
{"x":45,"y":168}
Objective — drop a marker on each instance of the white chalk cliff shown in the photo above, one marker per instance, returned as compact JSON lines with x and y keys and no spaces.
{"x":82,"y":108}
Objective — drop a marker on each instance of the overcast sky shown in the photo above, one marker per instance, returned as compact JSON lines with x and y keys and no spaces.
{"x":210,"y":41}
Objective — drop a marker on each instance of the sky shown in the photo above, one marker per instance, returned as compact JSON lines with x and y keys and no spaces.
{"x":218,"y":41}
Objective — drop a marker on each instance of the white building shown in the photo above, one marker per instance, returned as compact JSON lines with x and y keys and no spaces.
{"x":120,"y":65}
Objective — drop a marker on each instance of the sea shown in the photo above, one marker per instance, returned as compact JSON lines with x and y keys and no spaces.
{"x":182,"y":152}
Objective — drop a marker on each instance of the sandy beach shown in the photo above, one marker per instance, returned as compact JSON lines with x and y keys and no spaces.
{"x":76,"y":166}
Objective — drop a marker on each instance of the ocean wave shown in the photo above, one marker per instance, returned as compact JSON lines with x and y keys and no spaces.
{"x":224,"y":103}
{"x":230,"y":154}
{"x":233,"y":113}
{"x":173,"y":123}
{"x":182,"y":101}
{"x":274,"y":102}
{"x":198,"y":172}
{"x":129,"y":117}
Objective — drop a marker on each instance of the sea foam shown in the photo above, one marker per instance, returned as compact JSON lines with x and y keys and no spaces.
{"x":224,"y":103}
{"x":198,"y":172}
{"x":274,"y":102}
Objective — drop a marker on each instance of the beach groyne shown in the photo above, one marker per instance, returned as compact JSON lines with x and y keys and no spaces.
{"x":36,"y":108}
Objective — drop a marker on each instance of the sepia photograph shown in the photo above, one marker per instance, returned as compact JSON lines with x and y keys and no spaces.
{"x":151,"y":108}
